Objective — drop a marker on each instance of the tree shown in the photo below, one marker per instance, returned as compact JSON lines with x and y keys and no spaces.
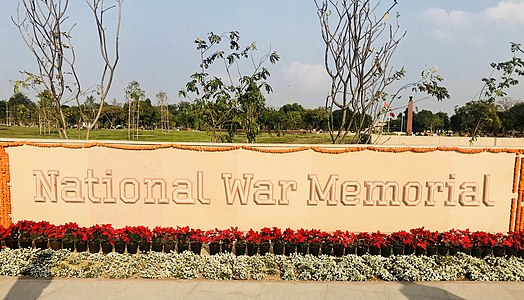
{"x":514,"y":117}
{"x":477,"y":117}
{"x":510,"y":69}
{"x":46,"y":112}
{"x":217,"y":99}
{"x":109,"y":63}
{"x":134,"y":95}
{"x":44,"y":27}
{"x":360,"y":41}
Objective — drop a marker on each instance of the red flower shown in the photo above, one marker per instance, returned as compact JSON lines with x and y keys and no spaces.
{"x":378,"y":239}
{"x":401,"y":238}
{"x":252,"y":237}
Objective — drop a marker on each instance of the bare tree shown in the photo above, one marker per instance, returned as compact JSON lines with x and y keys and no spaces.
{"x":359,"y":44}
{"x":109,"y":62}
{"x":44,"y":29}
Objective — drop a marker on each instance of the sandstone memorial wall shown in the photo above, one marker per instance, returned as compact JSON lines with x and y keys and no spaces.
{"x":358,"y":188}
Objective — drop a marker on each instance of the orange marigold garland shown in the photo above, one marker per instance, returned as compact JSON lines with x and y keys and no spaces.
{"x":512,"y":215}
{"x":5,"y":192}
{"x":516,"y":173}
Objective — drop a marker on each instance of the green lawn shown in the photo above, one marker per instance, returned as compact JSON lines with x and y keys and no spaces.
{"x":159,"y":136}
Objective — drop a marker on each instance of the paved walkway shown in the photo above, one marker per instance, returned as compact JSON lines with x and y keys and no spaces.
{"x":29,"y":288}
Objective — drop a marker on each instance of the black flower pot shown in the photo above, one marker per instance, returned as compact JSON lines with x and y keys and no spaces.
{"x":468,"y":251}
{"x":144,"y":247}
{"x":420,"y":251}
{"x":374,"y":250}
{"x":26,"y":244}
{"x":252,"y":249}
{"x":120,"y":247}
{"x":361,"y":250}
{"x":398,"y":250}
{"x":431,"y":250}
{"x":453,"y":250}
{"x":409,"y":250}
{"x":499,"y":251}
{"x":240,"y":249}
{"x":314,"y":249}
{"x":132,"y":247}
{"x":338,"y":250}
{"x":487,"y":251}
{"x":511,"y":252}
{"x":156,"y":247}
{"x":302,"y":248}
{"x":443,"y":250}
{"x":263,"y":248}
{"x":326,"y":249}
{"x":351,"y":250}
{"x":168,"y":248}
{"x":106,"y":247}
{"x":476,"y":252}
{"x":94,"y":247}
{"x":520,"y":253}
{"x":226,"y":247}
{"x":55,"y":245}
{"x":11,"y":244}
{"x":81,"y":246}
{"x":181,"y":247}
{"x":385,"y":251}
{"x":214,"y":248}
{"x":68,"y":246}
{"x":196,"y":247}
{"x":289,"y":248}
{"x":278,"y":248}
{"x":42,"y":245}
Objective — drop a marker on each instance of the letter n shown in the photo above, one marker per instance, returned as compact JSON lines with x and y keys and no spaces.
{"x":49,"y":187}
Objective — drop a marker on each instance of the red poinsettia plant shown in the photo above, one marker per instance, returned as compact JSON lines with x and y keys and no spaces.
{"x":483,"y":239}
{"x":70,"y":231}
{"x":317,"y":237}
{"x":301,"y":236}
{"x":182,"y":234}
{"x":56,"y":233}
{"x":238,"y":236}
{"x":39,"y":231}
{"x":138,"y":234}
{"x":342,"y":238}
{"x":378,"y":239}
{"x":81,"y":234}
{"x":363,"y":239}
{"x":514,"y":240}
{"x":104,"y":233}
{"x":164,"y":236}
{"x":424,"y":238}
{"x":197,"y":236}
{"x":289,"y":236}
{"x":402,"y":238}
{"x":253,"y":237}
{"x":23,"y":229}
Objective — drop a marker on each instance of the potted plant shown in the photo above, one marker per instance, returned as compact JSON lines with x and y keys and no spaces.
{"x":11,"y":237}
{"x":80,"y":237}
{"x":70,"y":231}
{"x":94,"y":237}
{"x":301,"y":240}
{"x":197,"y":238}
{"x":107,"y":235}
{"x":513,"y":243}
{"x":340,"y":241}
{"x":499,"y":249}
{"x":39,"y":232}
{"x":183,"y":238}
{"x":226,"y":240}
{"x":483,"y":243}
{"x":266,"y":237}
{"x":120,"y":240}
{"x":378,"y":244}
{"x":277,"y":241}
{"x":402,"y":242}
{"x":213,"y":239}
{"x":240,"y":242}
{"x":362,"y":243}
{"x":56,"y":236}
{"x":314,"y":240}
{"x":289,"y":241}
{"x":169,"y":239}
{"x":157,"y":238}
{"x":23,"y":229}
{"x":253,"y":240}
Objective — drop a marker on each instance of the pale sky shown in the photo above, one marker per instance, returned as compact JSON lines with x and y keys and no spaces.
{"x":461,"y":38}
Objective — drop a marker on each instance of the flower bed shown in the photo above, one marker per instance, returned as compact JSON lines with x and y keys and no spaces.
{"x":64,"y":263}
{"x":270,"y":253}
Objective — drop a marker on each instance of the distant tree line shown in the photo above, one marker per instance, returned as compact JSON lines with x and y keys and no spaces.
{"x":487,"y":117}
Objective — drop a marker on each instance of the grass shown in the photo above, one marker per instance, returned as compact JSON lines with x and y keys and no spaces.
{"x":159,"y":136}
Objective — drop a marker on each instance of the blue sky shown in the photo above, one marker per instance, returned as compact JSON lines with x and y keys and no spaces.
{"x":461,"y":38}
